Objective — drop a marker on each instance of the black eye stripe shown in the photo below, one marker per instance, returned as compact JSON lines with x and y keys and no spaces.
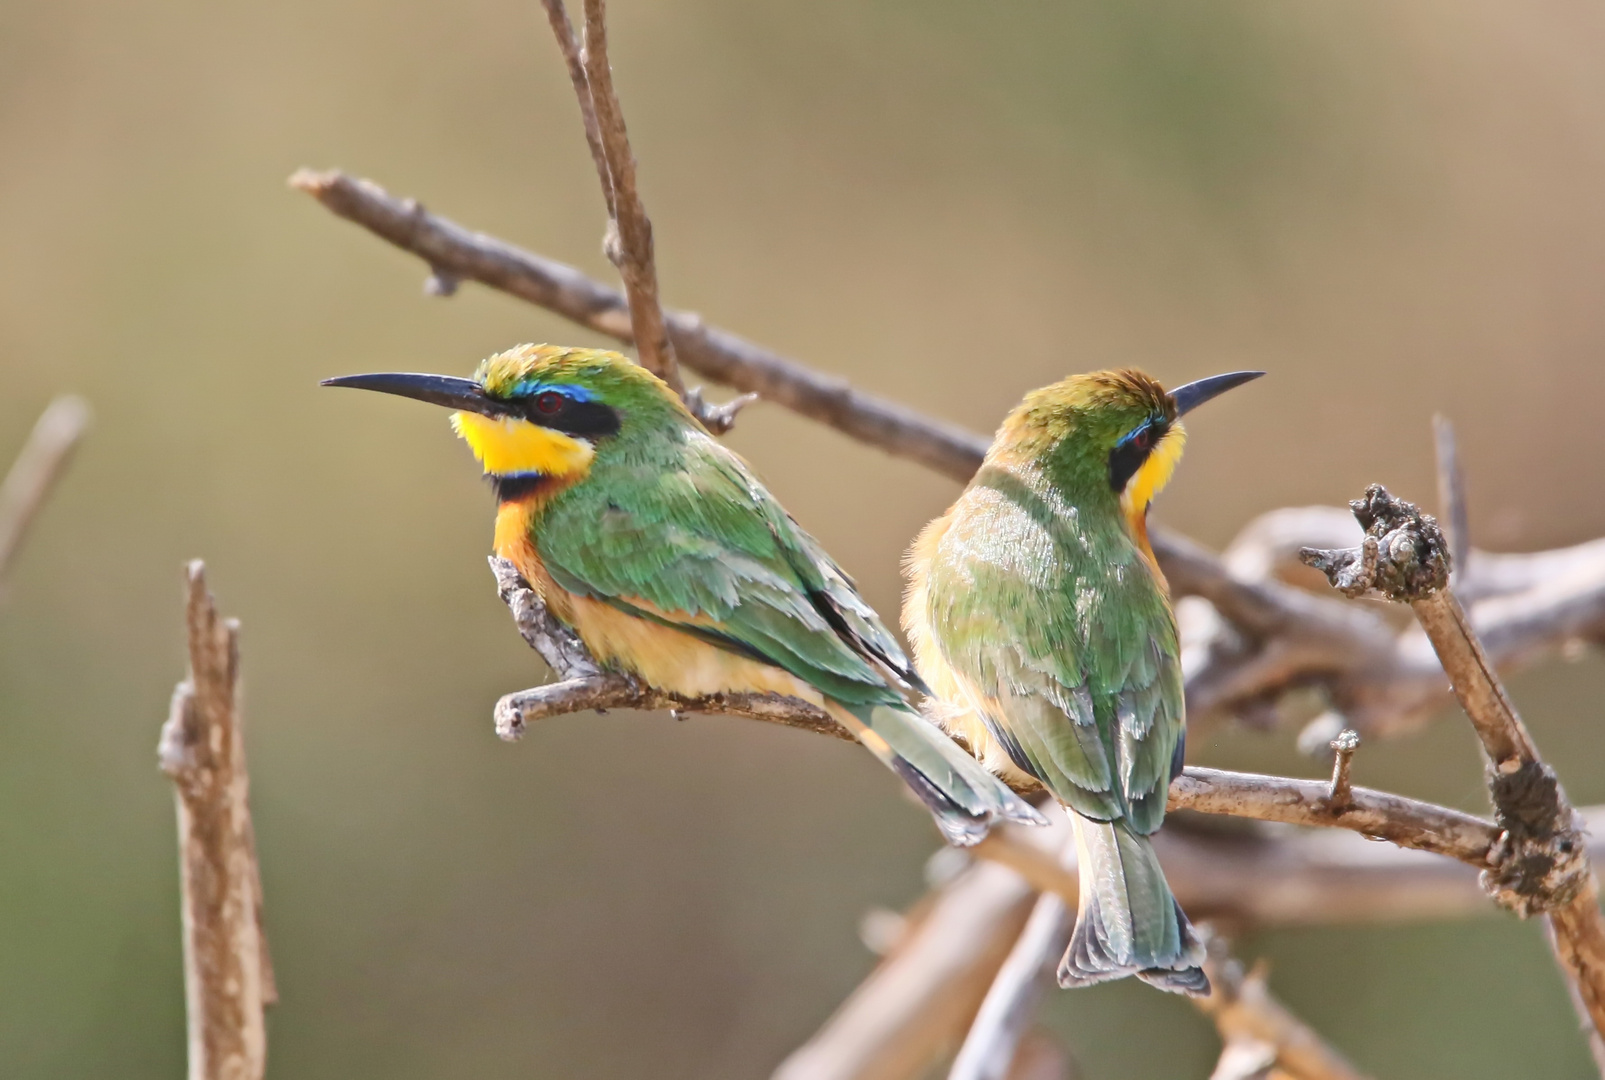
{"x":587,"y":419}
{"x":1130,"y":452}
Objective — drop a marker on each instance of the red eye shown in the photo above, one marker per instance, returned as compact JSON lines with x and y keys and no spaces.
{"x":550,"y":403}
{"x":1142,"y":439}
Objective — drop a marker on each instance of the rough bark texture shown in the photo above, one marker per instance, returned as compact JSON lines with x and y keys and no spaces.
{"x":228,"y":979}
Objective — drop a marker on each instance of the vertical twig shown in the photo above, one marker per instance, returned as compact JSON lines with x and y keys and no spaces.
{"x":1343,"y":748}
{"x":1452,"y":494}
{"x":43,"y":457}
{"x":916,"y":1005}
{"x":563,"y":31}
{"x":227,"y":977}
{"x":633,"y":254}
{"x":628,"y":242}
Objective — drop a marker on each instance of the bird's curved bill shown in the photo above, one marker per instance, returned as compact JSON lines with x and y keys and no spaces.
{"x":1194,"y":394}
{"x":453,"y":393}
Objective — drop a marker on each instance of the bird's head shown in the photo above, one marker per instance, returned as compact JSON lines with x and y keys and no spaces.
{"x":1115,"y":428}
{"x":539,"y":411}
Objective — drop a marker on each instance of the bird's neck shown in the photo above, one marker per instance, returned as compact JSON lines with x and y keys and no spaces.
{"x":520,"y":501}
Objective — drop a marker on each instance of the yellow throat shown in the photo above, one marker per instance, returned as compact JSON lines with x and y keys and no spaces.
{"x":508,"y":446}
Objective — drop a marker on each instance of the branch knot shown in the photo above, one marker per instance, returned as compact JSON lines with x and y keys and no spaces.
{"x":1403,"y":557}
{"x":1540,"y":861}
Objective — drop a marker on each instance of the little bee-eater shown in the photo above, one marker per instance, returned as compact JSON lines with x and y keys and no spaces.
{"x":660,"y":549}
{"x":1041,"y":622}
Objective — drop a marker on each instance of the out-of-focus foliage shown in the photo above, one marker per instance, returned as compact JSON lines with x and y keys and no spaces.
{"x":1392,"y":207}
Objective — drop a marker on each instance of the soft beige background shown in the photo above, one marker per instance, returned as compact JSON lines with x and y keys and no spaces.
{"x":1395,"y":207}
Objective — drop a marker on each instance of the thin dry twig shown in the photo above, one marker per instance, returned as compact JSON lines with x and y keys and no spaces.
{"x":633,"y":254}
{"x":569,"y":46}
{"x":1541,"y":863}
{"x":1405,"y":822}
{"x":1452,"y":494}
{"x":228,"y":979}
{"x":39,"y":465}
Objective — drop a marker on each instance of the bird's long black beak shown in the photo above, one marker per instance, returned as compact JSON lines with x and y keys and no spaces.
{"x":453,"y":393}
{"x":1194,"y":394}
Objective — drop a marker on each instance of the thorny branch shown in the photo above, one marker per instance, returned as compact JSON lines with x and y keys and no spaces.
{"x":228,"y":977}
{"x":1541,"y":862}
{"x":40,"y":464}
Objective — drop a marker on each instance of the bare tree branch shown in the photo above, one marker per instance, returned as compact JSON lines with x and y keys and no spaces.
{"x":1267,"y":637}
{"x":37,"y":468}
{"x":1394,"y":818}
{"x":227,"y":975}
{"x":1542,"y":857}
{"x":711,"y":352}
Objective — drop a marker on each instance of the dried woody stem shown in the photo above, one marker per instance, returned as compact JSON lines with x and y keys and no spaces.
{"x":43,"y":458}
{"x":228,"y":977}
{"x":1010,"y":1004}
{"x":1541,"y":862}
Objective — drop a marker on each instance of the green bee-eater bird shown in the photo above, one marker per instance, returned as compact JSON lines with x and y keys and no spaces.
{"x":660,"y":549}
{"x":1041,"y":622}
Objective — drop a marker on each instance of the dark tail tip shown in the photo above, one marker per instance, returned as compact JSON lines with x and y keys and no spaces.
{"x":1088,"y":961}
{"x":1190,"y":981}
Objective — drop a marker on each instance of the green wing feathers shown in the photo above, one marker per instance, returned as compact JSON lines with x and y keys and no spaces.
{"x":679,"y":527}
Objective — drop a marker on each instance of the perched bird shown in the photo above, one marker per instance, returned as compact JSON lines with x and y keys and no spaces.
{"x":1040,"y":620}
{"x":660,"y":549}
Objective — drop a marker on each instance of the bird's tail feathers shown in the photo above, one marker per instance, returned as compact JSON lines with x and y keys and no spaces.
{"x":963,"y":797}
{"x":1129,"y":922}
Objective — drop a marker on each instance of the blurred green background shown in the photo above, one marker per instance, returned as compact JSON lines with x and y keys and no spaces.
{"x":1394,"y":207}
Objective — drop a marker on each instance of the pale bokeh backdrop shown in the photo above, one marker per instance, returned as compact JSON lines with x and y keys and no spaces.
{"x":1395,"y":208}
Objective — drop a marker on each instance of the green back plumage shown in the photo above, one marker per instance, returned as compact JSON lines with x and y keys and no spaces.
{"x":1046,"y":604}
